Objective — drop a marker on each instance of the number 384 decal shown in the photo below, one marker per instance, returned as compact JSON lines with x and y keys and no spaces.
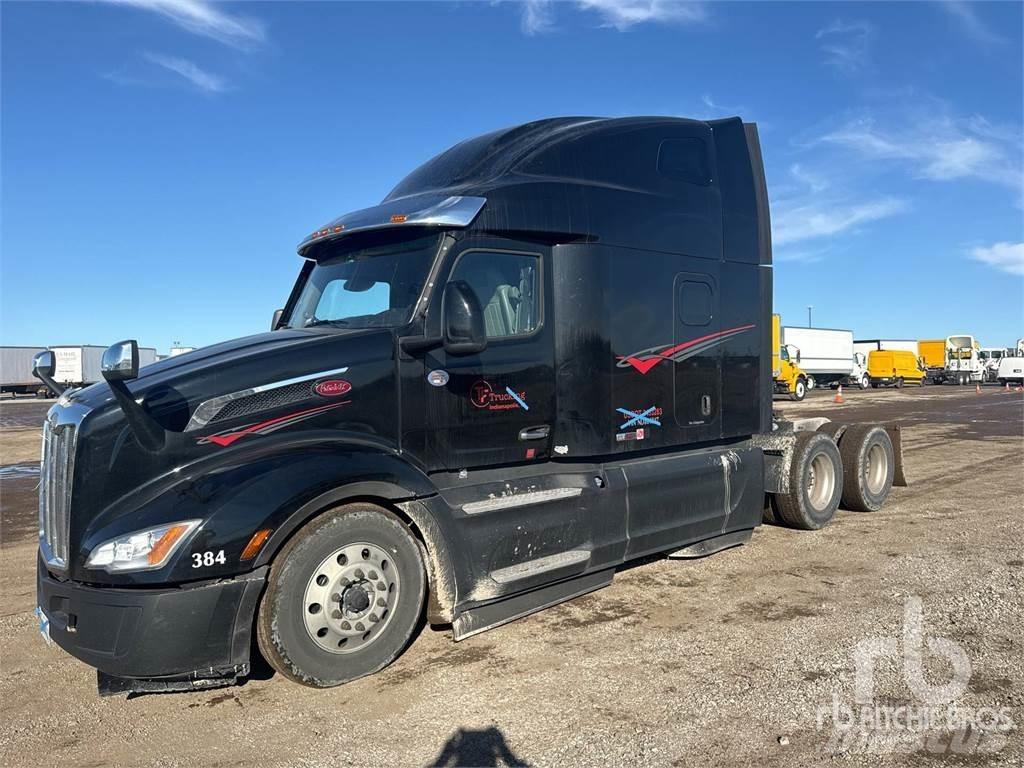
{"x":208,"y":558}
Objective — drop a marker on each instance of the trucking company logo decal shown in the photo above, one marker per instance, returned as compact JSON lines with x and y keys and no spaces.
{"x":226,"y":438}
{"x":332,"y":388}
{"x":644,"y":360}
{"x":482,"y":395}
{"x":639,"y":418}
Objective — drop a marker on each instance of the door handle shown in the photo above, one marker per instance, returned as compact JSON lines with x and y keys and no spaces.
{"x":535,"y":433}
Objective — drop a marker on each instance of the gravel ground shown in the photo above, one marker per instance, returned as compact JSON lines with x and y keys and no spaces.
{"x":737,"y":659}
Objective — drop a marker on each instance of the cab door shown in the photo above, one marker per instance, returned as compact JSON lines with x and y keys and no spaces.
{"x":698,"y":369}
{"x":495,"y":407}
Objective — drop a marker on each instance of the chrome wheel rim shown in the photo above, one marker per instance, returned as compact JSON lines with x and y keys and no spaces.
{"x":350,"y":597}
{"x":876,"y":469}
{"x":821,"y":482}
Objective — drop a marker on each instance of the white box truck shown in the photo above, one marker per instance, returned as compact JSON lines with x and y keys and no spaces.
{"x":16,"y":371}
{"x":827,"y":356}
{"x":78,"y":365}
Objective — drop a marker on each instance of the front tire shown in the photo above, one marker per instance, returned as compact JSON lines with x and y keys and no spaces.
{"x":865,"y":382}
{"x":870,"y":464}
{"x":815,"y":483}
{"x":799,"y":390}
{"x":344,"y":597}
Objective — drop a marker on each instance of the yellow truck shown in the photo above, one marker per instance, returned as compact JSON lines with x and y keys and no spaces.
{"x":789,"y":378}
{"x":894,"y":367}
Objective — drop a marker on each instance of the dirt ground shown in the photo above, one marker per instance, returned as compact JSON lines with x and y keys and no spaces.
{"x":742,"y":658}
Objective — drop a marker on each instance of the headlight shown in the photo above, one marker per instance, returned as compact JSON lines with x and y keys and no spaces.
{"x":142,"y":550}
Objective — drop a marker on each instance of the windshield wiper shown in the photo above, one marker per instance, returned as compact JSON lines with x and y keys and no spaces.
{"x":313,"y":322}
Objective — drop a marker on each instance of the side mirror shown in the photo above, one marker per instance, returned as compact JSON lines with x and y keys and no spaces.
{"x":276,"y":321}
{"x":464,"y":332}
{"x":120,"y":361}
{"x":44,"y":364}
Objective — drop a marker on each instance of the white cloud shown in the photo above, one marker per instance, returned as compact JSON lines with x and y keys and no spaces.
{"x":969,"y":20}
{"x":200,"y":78}
{"x":936,"y":145}
{"x":1007,"y":257}
{"x":205,"y":18}
{"x":623,"y":14}
{"x":846,"y":44}
{"x":798,"y":221}
{"x":814,"y":181}
{"x":538,"y":15}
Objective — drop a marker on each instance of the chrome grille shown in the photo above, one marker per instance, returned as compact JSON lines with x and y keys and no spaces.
{"x":55,"y":477}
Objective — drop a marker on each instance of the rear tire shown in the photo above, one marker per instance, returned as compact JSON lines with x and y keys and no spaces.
{"x":815,"y":483}
{"x":343,"y":598}
{"x":870,"y":464}
{"x":899,"y":383}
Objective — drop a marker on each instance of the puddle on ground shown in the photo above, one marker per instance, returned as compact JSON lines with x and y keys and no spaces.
{"x":12,"y":471}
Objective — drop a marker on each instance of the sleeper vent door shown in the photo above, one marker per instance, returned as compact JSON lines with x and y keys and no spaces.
{"x":698,"y":368}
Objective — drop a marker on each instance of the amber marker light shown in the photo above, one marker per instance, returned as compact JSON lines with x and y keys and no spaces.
{"x":162,"y":547}
{"x":256,"y":543}
{"x":399,"y":218}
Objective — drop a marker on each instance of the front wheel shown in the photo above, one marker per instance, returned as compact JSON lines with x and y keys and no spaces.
{"x":811,"y":383}
{"x":899,"y":383}
{"x":799,"y":390}
{"x":343,"y":598}
{"x":865,"y":382}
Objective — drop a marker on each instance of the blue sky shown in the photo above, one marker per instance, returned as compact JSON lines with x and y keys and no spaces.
{"x":161,"y":159}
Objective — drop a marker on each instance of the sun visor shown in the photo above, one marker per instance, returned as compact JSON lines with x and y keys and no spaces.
{"x":424,"y":210}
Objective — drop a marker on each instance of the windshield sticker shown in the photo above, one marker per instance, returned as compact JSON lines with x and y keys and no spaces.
{"x":332,"y":388}
{"x":644,"y":360}
{"x":230,"y":436}
{"x":482,"y":395}
{"x":650,"y":416}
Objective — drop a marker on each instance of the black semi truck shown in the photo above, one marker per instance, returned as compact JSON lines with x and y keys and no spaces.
{"x":546,"y":353}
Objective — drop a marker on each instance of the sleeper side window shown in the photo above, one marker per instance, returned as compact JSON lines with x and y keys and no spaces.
{"x":507,"y":286}
{"x":695,"y":305}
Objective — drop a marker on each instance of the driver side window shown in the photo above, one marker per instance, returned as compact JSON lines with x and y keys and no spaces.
{"x":507,"y":286}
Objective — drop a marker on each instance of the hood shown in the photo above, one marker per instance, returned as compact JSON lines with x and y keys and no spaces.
{"x":171,"y":389}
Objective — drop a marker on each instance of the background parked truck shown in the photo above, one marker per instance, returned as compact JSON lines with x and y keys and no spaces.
{"x":963,"y":361}
{"x":827,"y":356}
{"x":788,"y":376}
{"x":932,"y":354}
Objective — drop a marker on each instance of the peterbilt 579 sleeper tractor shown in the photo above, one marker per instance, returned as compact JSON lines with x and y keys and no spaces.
{"x":547,"y":352}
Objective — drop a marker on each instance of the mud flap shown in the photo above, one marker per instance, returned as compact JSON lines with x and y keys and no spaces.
{"x":895,"y":432}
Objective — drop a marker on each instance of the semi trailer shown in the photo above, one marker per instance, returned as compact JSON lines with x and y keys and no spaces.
{"x":16,"y":371}
{"x":547,"y":352}
{"x":827,"y":356}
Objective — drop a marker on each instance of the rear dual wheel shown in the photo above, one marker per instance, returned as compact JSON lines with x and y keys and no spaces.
{"x":869,"y":462}
{"x":344,"y":597}
{"x":815,"y":483}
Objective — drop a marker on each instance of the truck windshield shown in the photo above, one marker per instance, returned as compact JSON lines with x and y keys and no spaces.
{"x":366,"y":284}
